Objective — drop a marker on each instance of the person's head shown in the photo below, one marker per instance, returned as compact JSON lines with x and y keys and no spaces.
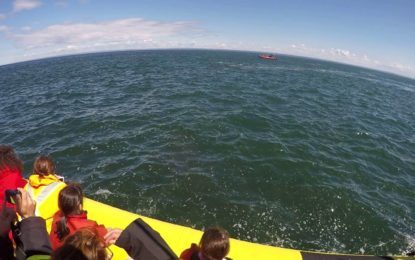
{"x":71,"y":199}
{"x":44,"y":165}
{"x":214,"y":244}
{"x":84,"y":244}
{"x":70,"y":202}
{"x":9,"y":160}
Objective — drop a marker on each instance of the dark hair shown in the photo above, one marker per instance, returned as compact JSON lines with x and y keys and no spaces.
{"x":214,"y":244}
{"x":69,"y":200}
{"x":84,"y":244}
{"x":9,"y":159}
{"x":44,"y":165}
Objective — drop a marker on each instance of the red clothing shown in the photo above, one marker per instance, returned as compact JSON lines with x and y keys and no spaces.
{"x":10,"y":180}
{"x":191,"y":253}
{"x":74,"y":222}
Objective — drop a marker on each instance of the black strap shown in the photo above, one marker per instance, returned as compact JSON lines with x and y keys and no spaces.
{"x":19,"y":252}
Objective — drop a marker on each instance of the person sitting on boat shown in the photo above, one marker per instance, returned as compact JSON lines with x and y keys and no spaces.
{"x":33,"y":239}
{"x":44,"y":186}
{"x":11,"y":168}
{"x":214,"y":245}
{"x":83,"y":244}
{"x":71,"y":216}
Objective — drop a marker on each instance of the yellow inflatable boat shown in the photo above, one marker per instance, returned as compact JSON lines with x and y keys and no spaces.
{"x":180,"y":238}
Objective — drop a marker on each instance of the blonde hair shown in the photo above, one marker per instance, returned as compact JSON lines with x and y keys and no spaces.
{"x":84,"y":244}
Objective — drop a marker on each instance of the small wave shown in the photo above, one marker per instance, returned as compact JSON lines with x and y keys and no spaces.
{"x":410,"y":241}
{"x":362,"y":133}
{"x":203,"y":135}
{"x":390,"y":83}
{"x":103,"y":192}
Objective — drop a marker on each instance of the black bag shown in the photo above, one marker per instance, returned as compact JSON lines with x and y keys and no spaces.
{"x":144,"y":243}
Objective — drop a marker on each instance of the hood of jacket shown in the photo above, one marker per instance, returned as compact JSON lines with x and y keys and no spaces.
{"x":36,"y":180}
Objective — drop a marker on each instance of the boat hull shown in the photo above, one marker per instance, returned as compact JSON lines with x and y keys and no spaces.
{"x":180,"y":238}
{"x":267,"y":57}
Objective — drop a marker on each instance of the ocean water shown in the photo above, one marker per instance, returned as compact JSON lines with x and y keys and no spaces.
{"x":297,"y":153}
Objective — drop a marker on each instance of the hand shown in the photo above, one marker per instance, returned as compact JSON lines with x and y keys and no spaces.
{"x":112,"y":236}
{"x":25,"y":205}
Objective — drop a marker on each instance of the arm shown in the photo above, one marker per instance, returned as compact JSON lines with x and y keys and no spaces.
{"x":33,"y":234}
{"x":140,"y":241}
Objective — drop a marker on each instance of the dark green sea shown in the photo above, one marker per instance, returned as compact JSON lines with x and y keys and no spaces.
{"x":298,"y":153}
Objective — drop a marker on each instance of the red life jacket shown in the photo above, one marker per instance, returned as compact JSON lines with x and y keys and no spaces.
{"x":74,"y":223}
{"x":191,"y":253}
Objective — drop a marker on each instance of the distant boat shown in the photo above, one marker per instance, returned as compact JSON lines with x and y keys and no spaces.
{"x":267,"y":56}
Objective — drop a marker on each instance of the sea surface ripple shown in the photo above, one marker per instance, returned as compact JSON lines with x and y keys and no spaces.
{"x":298,"y":153}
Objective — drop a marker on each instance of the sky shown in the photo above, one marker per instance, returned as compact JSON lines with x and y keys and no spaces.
{"x":378,"y":34}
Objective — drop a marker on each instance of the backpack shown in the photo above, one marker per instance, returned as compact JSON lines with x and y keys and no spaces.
{"x":142,"y":242}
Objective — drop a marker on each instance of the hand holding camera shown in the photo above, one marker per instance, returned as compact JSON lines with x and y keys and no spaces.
{"x":11,"y":196}
{"x":25,"y":205}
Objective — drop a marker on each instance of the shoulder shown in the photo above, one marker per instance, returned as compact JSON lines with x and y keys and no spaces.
{"x":57,"y":217}
{"x":190,"y":253}
{"x":8,"y":174}
{"x":81,"y":220}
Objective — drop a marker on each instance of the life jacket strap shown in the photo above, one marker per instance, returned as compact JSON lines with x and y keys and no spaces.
{"x":43,"y":195}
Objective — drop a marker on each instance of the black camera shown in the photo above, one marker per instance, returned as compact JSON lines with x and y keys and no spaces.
{"x":11,"y":195}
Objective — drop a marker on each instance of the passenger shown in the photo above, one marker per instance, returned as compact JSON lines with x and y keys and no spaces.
{"x":44,"y":186}
{"x":11,"y":168}
{"x":71,"y":216}
{"x":84,"y":244}
{"x":34,"y":240}
{"x":139,"y":241}
{"x":214,"y":245}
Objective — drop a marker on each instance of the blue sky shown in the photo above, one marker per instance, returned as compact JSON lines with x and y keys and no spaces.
{"x":377,"y":34}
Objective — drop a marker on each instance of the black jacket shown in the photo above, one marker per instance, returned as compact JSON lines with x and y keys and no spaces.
{"x":7,"y":216}
{"x":34,"y":237}
{"x":30,"y":235}
{"x":144,"y":243}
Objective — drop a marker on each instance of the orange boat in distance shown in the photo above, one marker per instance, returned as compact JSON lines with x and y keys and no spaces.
{"x":268,"y":56}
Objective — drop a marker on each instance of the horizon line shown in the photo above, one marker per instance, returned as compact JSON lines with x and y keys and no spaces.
{"x":212,"y":49}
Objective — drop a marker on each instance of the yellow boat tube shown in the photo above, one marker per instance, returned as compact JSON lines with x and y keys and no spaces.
{"x":180,"y":237}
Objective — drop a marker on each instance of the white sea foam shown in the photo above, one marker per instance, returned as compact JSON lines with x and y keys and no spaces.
{"x":411,"y":245}
{"x":103,"y":192}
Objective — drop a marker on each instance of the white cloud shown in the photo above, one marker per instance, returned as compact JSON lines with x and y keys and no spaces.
{"x":26,"y":28}
{"x":20,"y":5}
{"x":347,"y":56}
{"x":340,"y":52}
{"x":137,"y":33}
{"x":123,"y":34}
{"x":116,"y":33}
{"x":3,"y":16}
{"x":401,"y":67}
{"x":4,"y":28}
